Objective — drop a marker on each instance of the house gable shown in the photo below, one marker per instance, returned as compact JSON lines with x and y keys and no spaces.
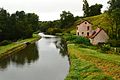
{"x":83,"y":21}
{"x":100,"y":37}
{"x":84,"y":29}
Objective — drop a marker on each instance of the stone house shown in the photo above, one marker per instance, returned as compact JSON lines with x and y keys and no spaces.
{"x":84,"y":29}
{"x":96,"y":36}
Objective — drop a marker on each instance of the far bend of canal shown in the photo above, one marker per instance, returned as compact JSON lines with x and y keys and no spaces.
{"x":47,"y":59}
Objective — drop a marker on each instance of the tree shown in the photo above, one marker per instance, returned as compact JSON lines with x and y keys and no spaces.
{"x":32,"y":20}
{"x":4,"y":24}
{"x":114,"y":14}
{"x":113,"y":4}
{"x":67,"y":19}
{"x":95,"y":9}
{"x":17,"y":25}
{"x":86,"y":8}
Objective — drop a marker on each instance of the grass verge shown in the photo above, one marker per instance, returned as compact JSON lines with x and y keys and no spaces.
{"x":16,"y":46}
{"x":87,"y":64}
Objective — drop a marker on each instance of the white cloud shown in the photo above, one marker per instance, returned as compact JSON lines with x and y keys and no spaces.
{"x":47,"y":9}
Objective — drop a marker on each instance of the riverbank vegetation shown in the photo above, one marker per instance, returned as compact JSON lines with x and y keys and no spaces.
{"x":87,"y":64}
{"x":19,"y":25}
{"x":66,"y":20}
{"x":15,"y":30}
{"x":16,"y":46}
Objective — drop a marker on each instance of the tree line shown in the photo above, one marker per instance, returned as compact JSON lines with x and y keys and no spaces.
{"x":66,"y":20}
{"x":19,"y":25}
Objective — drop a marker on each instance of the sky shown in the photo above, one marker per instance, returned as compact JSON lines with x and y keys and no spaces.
{"x":48,"y":10}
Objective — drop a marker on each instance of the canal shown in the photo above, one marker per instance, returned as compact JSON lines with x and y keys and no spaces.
{"x":47,"y":59}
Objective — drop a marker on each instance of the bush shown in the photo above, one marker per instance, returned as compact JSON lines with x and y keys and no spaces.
{"x":5,"y":42}
{"x":105,"y":47}
{"x":77,"y":39}
{"x":81,"y":40}
{"x":70,"y":37}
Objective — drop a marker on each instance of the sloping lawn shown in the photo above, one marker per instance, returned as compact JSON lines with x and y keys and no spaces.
{"x":87,"y":64}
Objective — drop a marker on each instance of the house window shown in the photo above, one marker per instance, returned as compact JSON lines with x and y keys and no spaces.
{"x":78,"y":33}
{"x":77,"y":28}
{"x":87,"y":33}
{"x":85,"y":22}
{"x":88,"y":27}
{"x":82,"y":33}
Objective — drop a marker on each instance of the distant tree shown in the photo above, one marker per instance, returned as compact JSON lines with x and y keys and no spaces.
{"x":66,"y":19}
{"x":43,"y":26}
{"x":95,"y":9}
{"x":86,"y":8}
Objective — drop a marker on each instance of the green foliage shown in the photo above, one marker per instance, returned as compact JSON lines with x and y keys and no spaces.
{"x":65,"y":23}
{"x":92,"y":10}
{"x":95,"y":9}
{"x":77,"y":39}
{"x":105,"y":47}
{"x":114,"y":14}
{"x":114,"y":4}
{"x":114,"y":43}
{"x":17,"y":25}
{"x":81,"y":40}
{"x":53,"y":31}
{"x":86,"y":8}
{"x":70,"y":37}
{"x":66,"y":20}
{"x":5,"y":42}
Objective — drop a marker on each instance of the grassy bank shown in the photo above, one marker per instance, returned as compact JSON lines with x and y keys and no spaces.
{"x":16,"y":46}
{"x":87,"y":64}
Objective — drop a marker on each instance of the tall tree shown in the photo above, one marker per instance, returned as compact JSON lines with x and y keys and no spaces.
{"x":95,"y":9}
{"x":67,"y":19}
{"x":114,"y":14}
{"x":86,"y":8}
{"x":4,"y":27}
{"x":32,"y":20}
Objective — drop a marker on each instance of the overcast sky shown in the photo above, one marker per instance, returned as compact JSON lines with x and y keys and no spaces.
{"x":48,"y":9}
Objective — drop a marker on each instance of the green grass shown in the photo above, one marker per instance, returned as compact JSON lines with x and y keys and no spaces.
{"x":94,"y":62}
{"x":13,"y":45}
{"x":109,"y":57}
{"x":81,"y":69}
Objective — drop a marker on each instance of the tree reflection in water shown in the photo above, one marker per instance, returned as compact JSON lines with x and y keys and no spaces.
{"x":60,"y":44}
{"x":25,"y":56}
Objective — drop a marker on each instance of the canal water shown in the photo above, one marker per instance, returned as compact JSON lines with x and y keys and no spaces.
{"x":47,"y":59}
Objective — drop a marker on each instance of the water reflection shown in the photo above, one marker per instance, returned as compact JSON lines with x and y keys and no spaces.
{"x":25,"y":56}
{"x":50,"y":62}
{"x":62,"y":46}
{"x":59,"y":44}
